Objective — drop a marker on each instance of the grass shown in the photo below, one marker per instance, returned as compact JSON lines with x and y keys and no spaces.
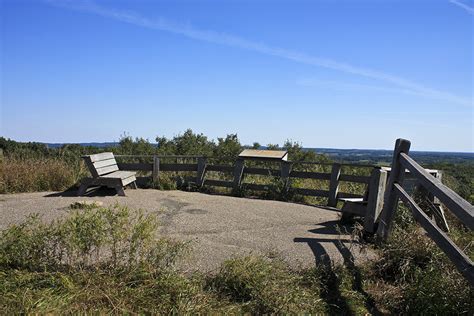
{"x":111,"y":260}
{"x":33,"y":175}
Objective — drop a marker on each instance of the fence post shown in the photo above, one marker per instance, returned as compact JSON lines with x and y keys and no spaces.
{"x":334,"y":184}
{"x":238,"y":171}
{"x":285,"y":174}
{"x":378,"y":180}
{"x":397,"y":173}
{"x":201,"y":171}
{"x":156,"y":171}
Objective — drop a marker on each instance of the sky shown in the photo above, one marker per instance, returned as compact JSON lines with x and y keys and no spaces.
{"x":335,"y":74}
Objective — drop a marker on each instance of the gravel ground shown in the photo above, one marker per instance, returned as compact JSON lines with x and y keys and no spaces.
{"x":218,"y":226}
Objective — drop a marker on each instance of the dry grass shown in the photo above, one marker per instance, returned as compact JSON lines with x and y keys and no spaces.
{"x":32,"y":175}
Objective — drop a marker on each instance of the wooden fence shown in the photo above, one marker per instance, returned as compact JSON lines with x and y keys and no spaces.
{"x":371,"y":200}
{"x":462,"y":209}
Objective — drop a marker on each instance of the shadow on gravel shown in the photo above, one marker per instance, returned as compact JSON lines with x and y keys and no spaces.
{"x":332,"y":294}
{"x":92,"y":191}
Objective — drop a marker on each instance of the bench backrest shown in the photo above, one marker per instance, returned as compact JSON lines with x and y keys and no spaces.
{"x":101,"y":164}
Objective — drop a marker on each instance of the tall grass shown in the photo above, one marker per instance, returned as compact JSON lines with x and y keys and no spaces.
{"x":37,"y":174}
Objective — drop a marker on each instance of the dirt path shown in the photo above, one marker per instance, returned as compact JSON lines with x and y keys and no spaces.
{"x":219,"y":226}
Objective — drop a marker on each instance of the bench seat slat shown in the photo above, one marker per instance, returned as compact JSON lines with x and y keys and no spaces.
{"x":119,"y":174}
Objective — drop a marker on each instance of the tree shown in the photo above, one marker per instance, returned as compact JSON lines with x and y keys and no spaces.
{"x":228,"y":147}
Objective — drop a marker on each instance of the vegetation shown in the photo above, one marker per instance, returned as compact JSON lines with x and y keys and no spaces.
{"x":110,"y":260}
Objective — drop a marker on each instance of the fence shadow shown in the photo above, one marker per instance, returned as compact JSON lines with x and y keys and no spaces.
{"x":332,"y":294}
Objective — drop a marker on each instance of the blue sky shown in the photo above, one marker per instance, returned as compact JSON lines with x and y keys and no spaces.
{"x":340,"y":74}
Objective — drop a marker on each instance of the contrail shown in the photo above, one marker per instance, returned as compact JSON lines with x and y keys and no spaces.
{"x":463,"y":5}
{"x":234,"y":41}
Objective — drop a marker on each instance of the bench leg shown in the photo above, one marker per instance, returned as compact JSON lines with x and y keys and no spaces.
{"x":120,"y":190}
{"x":134,"y":185}
{"x":83,"y":188}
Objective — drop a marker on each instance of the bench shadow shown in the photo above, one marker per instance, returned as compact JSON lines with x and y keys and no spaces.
{"x":91,"y":192}
{"x":332,"y":295}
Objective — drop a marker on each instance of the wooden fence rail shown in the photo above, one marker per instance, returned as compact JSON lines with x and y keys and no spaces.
{"x":462,"y":209}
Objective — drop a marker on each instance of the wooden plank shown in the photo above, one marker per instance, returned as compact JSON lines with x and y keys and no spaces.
{"x":310,"y":175}
{"x":257,"y":187}
{"x":135,"y":166}
{"x":119,"y":174}
{"x":391,"y":197}
{"x":128,"y":180}
{"x":178,"y":167}
{"x":106,"y":170}
{"x":218,"y":183}
{"x":285,"y":174}
{"x":262,"y":171}
{"x":238,"y":171}
{"x":456,"y":204}
{"x":201,"y":171}
{"x":156,"y":171}
{"x":220,"y":168}
{"x":343,"y":195}
{"x":104,"y":163}
{"x":375,"y":198}
{"x":101,"y":156}
{"x":354,"y":178}
{"x":460,"y":259}
{"x":334,"y":184}
{"x":311,"y":192}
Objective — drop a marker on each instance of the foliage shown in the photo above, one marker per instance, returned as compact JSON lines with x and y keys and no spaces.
{"x":423,"y":278}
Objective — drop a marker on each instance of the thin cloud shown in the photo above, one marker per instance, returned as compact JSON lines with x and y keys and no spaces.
{"x":234,"y":41}
{"x":463,"y":5}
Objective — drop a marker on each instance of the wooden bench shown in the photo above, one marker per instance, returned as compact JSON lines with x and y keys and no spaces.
{"x":105,"y":172}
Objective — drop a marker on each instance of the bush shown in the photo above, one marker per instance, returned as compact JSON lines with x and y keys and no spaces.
{"x":425,"y":280}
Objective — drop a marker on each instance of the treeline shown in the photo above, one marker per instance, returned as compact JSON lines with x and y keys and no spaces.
{"x":187,"y":143}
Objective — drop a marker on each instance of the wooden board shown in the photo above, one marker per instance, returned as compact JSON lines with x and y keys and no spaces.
{"x":136,"y":166}
{"x":105,"y":170}
{"x":178,"y":167}
{"x":104,"y":163}
{"x":311,"y":192}
{"x":220,"y":168}
{"x":101,"y":156}
{"x":218,"y":183}
{"x":119,"y":174}
{"x":310,"y":175}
